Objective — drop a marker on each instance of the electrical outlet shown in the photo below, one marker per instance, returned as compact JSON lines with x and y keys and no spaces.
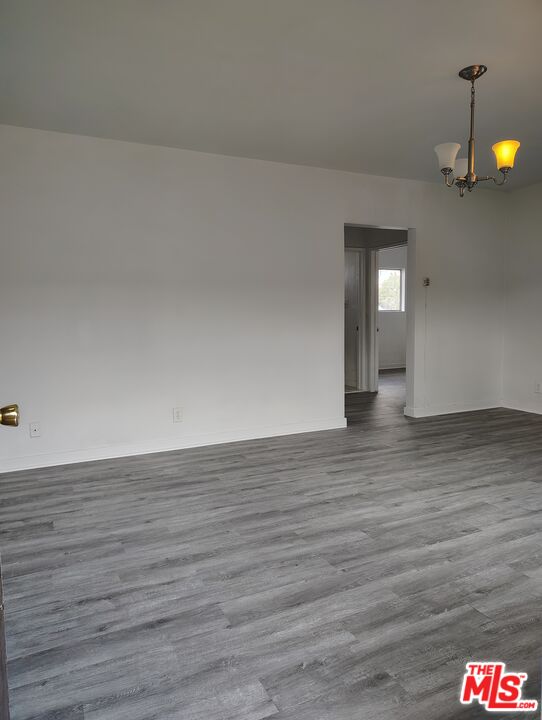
{"x":177,"y":414}
{"x":538,"y":388}
{"x":35,"y":430}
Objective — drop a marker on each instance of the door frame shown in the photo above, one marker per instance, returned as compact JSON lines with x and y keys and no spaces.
{"x":367,"y":336}
{"x":360,"y":339}
{"x":369,"y":339}
{"x":371,"y":352}
{"x":4,"y":693}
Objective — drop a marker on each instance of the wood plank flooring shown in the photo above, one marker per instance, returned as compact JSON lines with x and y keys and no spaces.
{"x":344,"y":575}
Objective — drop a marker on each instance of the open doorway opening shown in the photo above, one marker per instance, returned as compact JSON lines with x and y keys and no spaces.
{"x":375,"y":316}
{"x":392,"y":326}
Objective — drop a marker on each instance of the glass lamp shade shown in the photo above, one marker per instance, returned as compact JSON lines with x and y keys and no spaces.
{"x":461,"y":167}
{"x":505,"y":152}
{"x":446,"y":153}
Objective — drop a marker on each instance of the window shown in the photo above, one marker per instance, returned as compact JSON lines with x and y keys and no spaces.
{"x":391,"y":290}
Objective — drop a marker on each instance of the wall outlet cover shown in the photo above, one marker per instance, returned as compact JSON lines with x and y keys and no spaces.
{"x":177,"y":414}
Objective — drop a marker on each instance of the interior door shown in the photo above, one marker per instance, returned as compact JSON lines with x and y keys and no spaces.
{"x":352,"y":318}
{"x":9,"y":415}
{"x":4,"y":702}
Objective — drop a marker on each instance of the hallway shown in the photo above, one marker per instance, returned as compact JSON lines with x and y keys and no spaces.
{"x":384,"y":407}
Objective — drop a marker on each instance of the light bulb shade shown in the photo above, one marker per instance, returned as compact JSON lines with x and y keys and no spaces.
{"x":446,"y":153}
{"x":461,"y":167}
{"x":505,"y":152}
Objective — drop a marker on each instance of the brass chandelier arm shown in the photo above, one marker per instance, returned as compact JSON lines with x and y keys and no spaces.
{"x":504,"y":178}
{"x":490,"y":177}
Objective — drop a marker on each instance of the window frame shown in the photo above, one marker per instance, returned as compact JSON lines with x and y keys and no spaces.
{"x":402,"y":294}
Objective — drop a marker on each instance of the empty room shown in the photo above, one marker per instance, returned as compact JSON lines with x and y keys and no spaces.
{"x":270,"y":359}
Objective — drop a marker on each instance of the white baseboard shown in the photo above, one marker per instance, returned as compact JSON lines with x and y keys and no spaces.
{"x":431,"y":410}
{"x":68,"y":457}
{"x":398,"y":366}
{"x":522,"y":407}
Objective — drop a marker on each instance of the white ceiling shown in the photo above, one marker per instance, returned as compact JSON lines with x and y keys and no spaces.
{"x":361,"y":85}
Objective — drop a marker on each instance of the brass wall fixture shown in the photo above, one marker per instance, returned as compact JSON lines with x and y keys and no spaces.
{"x":9,"y":415}
{"x":460,"y":172}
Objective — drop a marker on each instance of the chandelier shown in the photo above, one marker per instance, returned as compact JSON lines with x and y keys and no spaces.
{"x":460,"y":172}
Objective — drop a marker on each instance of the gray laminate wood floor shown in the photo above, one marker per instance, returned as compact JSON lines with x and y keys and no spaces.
{"x":342,"y":575}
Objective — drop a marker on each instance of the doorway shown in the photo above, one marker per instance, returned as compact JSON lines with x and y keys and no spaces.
{"x":391,"y":336}
{"x":375,"y":313}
